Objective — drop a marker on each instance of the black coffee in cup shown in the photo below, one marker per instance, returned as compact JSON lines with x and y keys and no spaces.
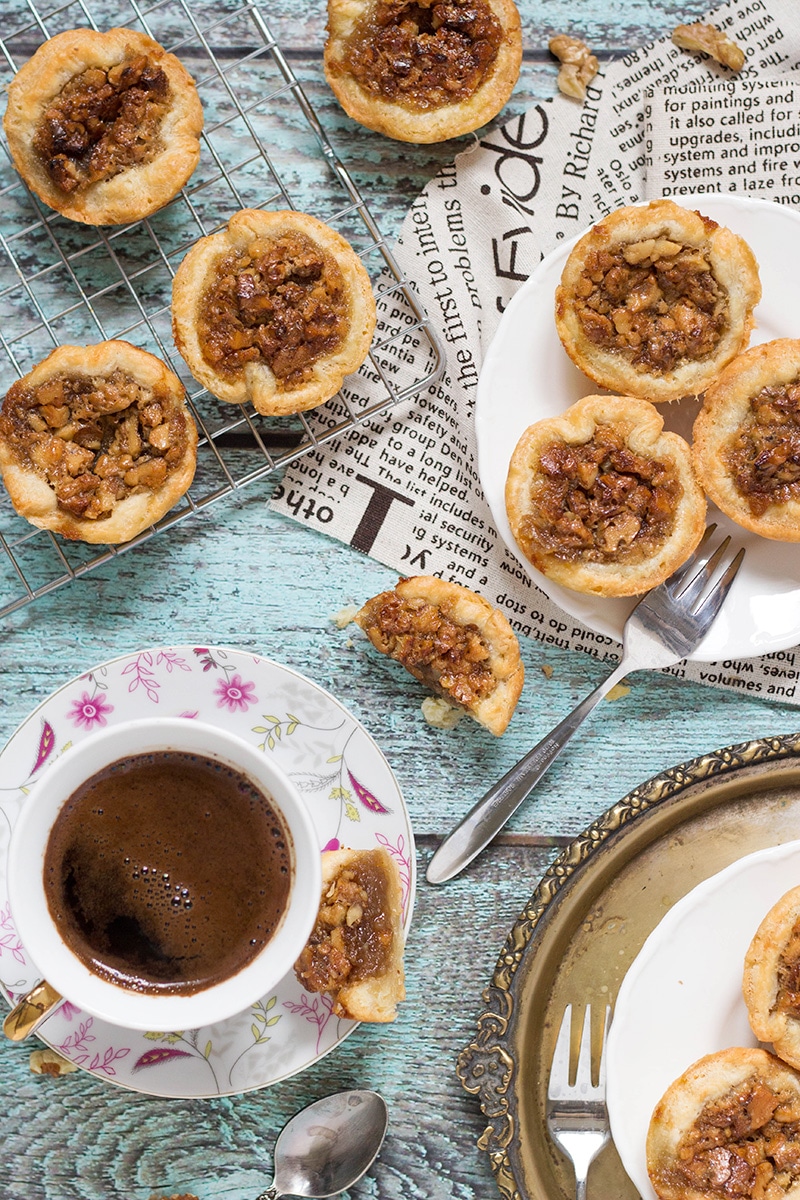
{"x":168,"y":872}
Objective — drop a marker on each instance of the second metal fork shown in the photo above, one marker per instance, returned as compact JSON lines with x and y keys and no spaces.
{"x":577,"y":1119}
{"x":668,"y":623}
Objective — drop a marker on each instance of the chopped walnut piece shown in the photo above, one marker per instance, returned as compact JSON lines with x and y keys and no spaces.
{"x":50,"y":1062}
{"x":707,"y":39}
{"x":578,"y":65}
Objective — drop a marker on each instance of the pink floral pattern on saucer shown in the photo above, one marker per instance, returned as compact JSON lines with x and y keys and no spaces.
{"x":354,"y":800}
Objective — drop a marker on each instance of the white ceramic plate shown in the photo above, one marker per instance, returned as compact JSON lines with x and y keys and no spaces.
{"x":527,"y":376}
{"x":682,"y":995}
{"x":354,"y":801}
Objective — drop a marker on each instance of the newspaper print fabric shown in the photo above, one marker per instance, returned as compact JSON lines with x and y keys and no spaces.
{"x":406,"y":491}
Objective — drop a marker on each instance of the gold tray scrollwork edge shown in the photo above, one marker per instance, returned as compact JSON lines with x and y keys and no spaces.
{"x":485,"y":1067}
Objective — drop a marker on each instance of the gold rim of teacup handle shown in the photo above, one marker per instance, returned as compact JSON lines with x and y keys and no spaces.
{"x":28,"y":1013}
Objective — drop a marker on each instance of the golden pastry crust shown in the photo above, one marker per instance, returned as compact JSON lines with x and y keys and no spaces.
{"x":452,"y":640}
{"x":655,"y":300}
{"x":771,"y":983}
{"x":466,"y":59}
{"x":602,"y":500}
{"x":276,"y":309}
{"x":122,"y":83}
{"x":746,"y":440}
{"x":355,"y":952}
{"x":96,"y":442}
{"x":729,"y":1126}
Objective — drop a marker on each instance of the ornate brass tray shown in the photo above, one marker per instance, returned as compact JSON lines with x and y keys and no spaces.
{"x":586,"y":922}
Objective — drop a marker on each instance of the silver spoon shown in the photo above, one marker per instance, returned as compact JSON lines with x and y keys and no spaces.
{"x":328,"y":1146}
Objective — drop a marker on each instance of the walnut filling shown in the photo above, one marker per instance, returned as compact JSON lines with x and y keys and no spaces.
{"x":353,"y":935}
{"x":449,"y":658}
{"x":764,"y":456}
{"x":656,"y":302}
{"x":601,"y":502}
{"x":424,"y":54}
{"x":744,"y":1144}
{"x":103,"y":122}
{"x":787,"y":997}
{"x":95,"y":439}
{"x":283,"y":301}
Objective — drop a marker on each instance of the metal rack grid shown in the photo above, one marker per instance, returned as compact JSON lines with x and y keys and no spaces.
{"x":63,"y":282}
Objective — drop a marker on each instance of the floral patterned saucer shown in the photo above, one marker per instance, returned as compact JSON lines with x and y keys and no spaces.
{"x":354,"y":800}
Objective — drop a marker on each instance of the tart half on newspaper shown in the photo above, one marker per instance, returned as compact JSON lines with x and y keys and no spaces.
{"x":655,"y":300}
{"x":453,"y":641}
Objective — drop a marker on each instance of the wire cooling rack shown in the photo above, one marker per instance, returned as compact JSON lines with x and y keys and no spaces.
{"x":61,"y":282}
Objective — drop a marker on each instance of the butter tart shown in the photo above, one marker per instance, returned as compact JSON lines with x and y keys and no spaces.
{"x":452,"y":640}
{"x":276,"y":309}
{"x":746,"y":440}
{"x":104,"y":127}
{"x":602,"y":500}
{"x":655,"y":300}
{"x":729,"y":1126}
{"x":422,"y":70}
{"x":771,"y":984}
{"x":96,"y":442}
{"x":355,"y":951}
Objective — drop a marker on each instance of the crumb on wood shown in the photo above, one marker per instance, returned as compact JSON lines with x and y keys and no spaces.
{"x":701,"y":38}
{"x":618,"y":691}
{"x":344,"y":616}
{"x":50,"y":1062}
{"x":547,"y":670}
{"x":439,"y":713}
{"x":578,"y":65}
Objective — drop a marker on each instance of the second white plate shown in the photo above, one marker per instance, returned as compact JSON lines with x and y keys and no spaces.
{"x":527,"y":376}
{"x":682,"y":996}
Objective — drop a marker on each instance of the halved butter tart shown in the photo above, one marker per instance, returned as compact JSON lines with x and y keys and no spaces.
{"x":277,"y":309}
{"x":355,"y":951}
{"x":602,"y":500}
{"x":104,"y":127}
{"x":96,"y":442}
{"x":423,"y":70}
{"x":655,"y":300}
{"x":453,"y":641}
{"x":746,"y":440}
{"x":771,"y":982}
{"x":728,"y":1127}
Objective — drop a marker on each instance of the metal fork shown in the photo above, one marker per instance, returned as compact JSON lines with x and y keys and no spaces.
{"x":668,"y":623}
{"x":577,"y":1119}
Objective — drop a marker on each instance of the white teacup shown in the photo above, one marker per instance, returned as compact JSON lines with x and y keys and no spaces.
{"x":67,"y":976}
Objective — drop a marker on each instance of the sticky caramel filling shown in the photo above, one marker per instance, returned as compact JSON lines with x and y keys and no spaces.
{"x":787,"y":996}
{"x":424,"y":54}
{"x":600,"y":501}
{"x":96,"y":440}
{"x":764,"y":456}
{"x":655,"y":302}
{"x":102,"y":123}
{"x":282,"y":302}
{"x":744,"y":1144}
{"x":449,"y":658}
{"x":353,"y":937}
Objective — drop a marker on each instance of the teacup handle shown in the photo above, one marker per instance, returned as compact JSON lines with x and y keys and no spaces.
{"x":28,"y":1013}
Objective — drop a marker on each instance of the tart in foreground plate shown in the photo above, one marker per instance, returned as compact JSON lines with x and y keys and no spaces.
{"x":452,"y":640}
{"x":771,"y":983}
{"x":421,"y":70}
{"x":729,"y":1126}
{"x":602,"y":500}
{"x":746,"y":440}
{"x":655,"y":300}
{"x":355,"y":951}
{"x":104,"y":127}
{"x":276,"y":309}
{"x":96,"y":442}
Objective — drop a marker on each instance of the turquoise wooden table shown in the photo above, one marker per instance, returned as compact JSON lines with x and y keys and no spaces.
{"x":238,"y":575}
